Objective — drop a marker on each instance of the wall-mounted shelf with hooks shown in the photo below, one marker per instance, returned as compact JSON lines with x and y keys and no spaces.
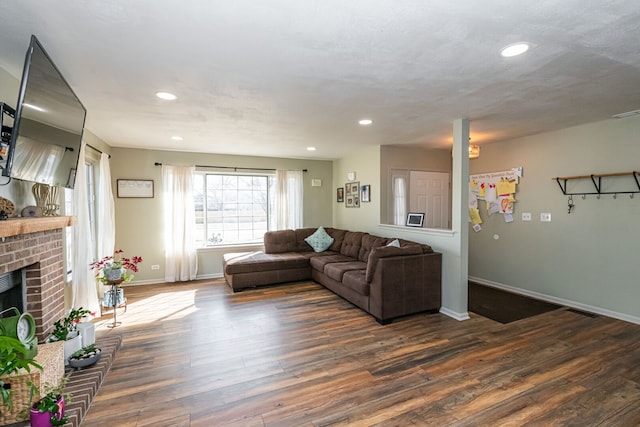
{"x":596,"y":179}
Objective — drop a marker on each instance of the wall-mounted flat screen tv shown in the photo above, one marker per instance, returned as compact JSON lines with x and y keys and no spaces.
{"x":49,"y":121}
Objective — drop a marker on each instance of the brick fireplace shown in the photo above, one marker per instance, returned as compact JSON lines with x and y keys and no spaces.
{"x":35,"y":244}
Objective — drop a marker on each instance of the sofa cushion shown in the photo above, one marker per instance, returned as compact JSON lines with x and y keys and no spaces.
{"x":369,"y":242}
{"x":338,"y":238}
{"x":279,"y":241}
{"x":336,"y":270}
{"x":301,"y":234}
{"x":352,"y":243}
{"x":356,"y":281}
{"x":252,"y":262}
{"x":320,"y":241}
{"x":388,"y":251}
{"x":426,"y":249}
{"x":319,"y":262}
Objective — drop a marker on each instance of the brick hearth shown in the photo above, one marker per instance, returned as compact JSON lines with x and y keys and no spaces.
{"x":36,"y":244}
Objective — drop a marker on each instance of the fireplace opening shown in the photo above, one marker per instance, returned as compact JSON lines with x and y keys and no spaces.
{"x":12,"y":293}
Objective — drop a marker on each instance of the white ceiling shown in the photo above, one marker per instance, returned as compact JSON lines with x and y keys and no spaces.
{"x":273,"y":77}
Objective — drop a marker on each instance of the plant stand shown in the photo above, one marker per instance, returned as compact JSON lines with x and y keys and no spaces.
{"x":114,"y":301}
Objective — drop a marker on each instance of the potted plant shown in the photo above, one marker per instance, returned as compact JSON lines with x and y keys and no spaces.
{"x":84,"y":357}
{"x":115,"y":267}
{"x":49,"y":409}
{"x":65,"y":330}
{"x":12,"y":360}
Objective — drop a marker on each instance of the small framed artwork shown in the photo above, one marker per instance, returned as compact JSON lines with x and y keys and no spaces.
{"x":365,"y":193}
{"x":415,"y":219}
{"x":352,"y":194}
{"x":135,"y":188}
{"x":340,"y":195}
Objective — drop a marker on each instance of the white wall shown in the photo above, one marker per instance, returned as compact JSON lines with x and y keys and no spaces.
{"x":589,"y":258}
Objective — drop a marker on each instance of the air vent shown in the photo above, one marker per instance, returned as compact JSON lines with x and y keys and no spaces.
{"x":627,"y":114}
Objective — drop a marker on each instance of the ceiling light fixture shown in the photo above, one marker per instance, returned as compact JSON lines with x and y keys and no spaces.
{"x":474,"y":151}
{"x":365,"y":122}
{"x":311,"y":148}
{"x":166,"y":96}
{"x":176,"y":138}
{"x":514,"y":49}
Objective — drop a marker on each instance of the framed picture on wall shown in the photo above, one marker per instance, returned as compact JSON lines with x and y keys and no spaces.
{"x":135,"y":188}
{"x":352,"y":194}
{"x":365,"y":193}
{"x":340,"y":195}
{"x":415,"y":219}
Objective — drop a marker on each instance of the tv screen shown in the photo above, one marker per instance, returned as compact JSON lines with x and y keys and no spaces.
{"x":48,"y":125}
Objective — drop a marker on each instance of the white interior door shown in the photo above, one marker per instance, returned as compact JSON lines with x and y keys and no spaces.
{"x":429,"y":193}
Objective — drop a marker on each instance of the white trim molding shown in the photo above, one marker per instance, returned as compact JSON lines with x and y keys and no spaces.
{"x":559,"y":301}
{"x":454,"y":314}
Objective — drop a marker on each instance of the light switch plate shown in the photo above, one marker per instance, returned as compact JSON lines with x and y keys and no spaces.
{"x":526,"y":216}
{"x":545,"y":216}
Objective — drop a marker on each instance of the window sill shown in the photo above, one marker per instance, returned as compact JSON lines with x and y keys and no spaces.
{"x":425,"y":231}
{"x":232,"y":248}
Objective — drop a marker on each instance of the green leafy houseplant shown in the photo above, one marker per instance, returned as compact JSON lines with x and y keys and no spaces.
{"x":116,"y":261}
{"x":67,"y":325}
{"x":53,"y":402}
{"x":12,"y":359}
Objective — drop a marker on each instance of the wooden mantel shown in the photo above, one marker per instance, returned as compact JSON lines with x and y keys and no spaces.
{"x":18,"y":226}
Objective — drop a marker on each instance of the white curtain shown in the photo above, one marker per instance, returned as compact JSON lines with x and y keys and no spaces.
{"x":289,"y":199}
{"x":36,"y":161}
{"x":106,"y":212}
{"x":181,"y":262}
{"x":399,"y":200}
{"x":83,"y":286}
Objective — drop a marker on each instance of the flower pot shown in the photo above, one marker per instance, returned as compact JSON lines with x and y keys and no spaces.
{"x":43,"y":419}
{"x":71,"y":345}
{"x":113,"y":274}
{"x":86,"y":360}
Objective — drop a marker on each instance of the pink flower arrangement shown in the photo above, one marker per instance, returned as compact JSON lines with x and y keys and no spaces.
{"x":116,"y":261}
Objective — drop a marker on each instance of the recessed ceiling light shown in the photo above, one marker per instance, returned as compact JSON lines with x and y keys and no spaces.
{"x":311,"y":148}
{"x":176,"y":138}
{"x":514,"y":49}
{"x":34,"y":107}
{"x":166,"y":96}
{"x":365,"y":122}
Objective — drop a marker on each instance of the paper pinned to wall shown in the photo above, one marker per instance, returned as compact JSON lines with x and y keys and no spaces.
{"x":497,"y":189}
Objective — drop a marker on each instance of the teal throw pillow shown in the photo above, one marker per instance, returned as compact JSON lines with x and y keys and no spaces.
{"x":320,"y":241}
{"x":395,"y":243}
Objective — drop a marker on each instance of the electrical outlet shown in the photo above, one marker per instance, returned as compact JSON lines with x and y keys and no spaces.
{"x":545,"y":217}
{"x":526,"y":216}
{"x":155,"y":267}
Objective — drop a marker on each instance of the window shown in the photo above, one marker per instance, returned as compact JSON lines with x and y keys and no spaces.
{"x":233,"y":209}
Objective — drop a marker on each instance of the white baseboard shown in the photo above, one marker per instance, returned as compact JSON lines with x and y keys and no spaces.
{"x":159,"y":282}
{"x":559,"y":301}
{"x":454,"y":314}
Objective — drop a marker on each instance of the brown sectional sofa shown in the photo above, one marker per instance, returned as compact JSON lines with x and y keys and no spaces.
{"x":386,"y":282}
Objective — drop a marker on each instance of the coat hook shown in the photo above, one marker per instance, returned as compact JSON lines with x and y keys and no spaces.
{"x":598,"y":197}
{"x":570,"y":203}
{"x":631,"y":196}
{"x":615,"y":196}
{"x":584,"y":197}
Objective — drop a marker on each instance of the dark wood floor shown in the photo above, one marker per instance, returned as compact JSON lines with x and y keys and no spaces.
{"x":296,"y":355}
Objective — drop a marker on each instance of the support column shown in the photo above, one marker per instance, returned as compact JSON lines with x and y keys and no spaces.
{"x":455,"y":292}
